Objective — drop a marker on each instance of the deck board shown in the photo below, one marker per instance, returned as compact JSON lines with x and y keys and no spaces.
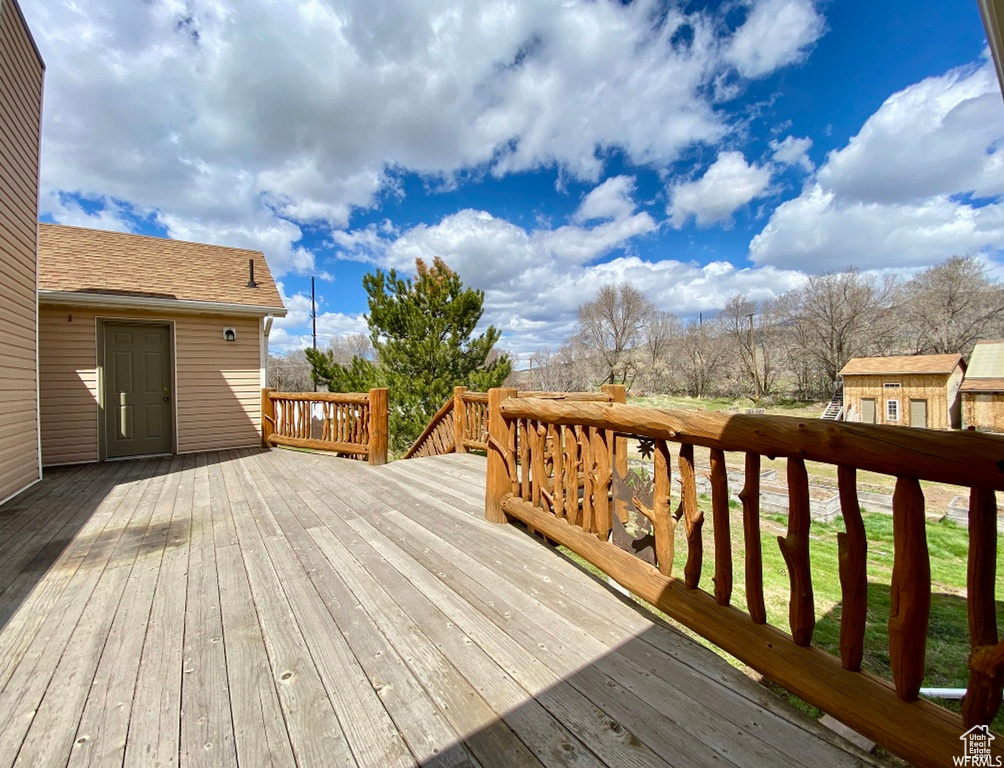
{"x":289,"y":609}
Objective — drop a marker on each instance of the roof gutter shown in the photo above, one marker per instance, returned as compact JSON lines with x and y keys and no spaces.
{"x":992,"y":12}
{"x":112,"y":301}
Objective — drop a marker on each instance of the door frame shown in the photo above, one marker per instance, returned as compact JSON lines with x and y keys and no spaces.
{"x":101,"y":324}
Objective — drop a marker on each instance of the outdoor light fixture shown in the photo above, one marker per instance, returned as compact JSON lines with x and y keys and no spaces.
{"x":230,"y":334}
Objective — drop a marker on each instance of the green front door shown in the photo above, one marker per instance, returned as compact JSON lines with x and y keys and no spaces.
{"x":137,"y":393}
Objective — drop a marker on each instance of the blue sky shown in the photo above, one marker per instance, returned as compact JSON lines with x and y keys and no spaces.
{"x":543,"y":149}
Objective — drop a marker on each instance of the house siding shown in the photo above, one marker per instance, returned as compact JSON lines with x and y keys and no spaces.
{"x":934,"y":388}
{"x":983,"y":411}
{"x":217,"y":391}
{"x":21,"y":77}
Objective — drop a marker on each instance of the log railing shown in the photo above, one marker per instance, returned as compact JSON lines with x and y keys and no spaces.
{"x":461,"y":423}
{"x":349,"y":423}
{"x":552,"y":465}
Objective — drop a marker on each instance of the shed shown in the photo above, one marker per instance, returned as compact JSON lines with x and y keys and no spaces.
{"x":983,"y":388}
{"x":908,"y":390}
{"x":148,"y":345}
{"x":21,"y":75}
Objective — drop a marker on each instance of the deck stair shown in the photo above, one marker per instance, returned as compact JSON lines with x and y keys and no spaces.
{"x":835,"y":409}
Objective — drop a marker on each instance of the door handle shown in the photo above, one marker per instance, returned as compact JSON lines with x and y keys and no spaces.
{"x":167,"y":399}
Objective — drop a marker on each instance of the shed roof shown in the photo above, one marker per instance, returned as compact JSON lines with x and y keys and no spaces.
{"x":987,"y":361}
{"x":92,"y":263}
{"x":982,"y":385}
{"x":902,"y":364}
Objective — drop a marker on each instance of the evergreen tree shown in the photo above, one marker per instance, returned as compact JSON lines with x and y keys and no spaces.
{"x":423,"y":332}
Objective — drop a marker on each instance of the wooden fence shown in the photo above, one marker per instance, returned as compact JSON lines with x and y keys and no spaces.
{"x":349,"y":423}
{"x":551,"y":465}
{"x":461,"y":423}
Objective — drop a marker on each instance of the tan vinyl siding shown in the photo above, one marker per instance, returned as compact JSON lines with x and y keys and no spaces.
{"x":934,"y":388}
{"x":21,"y":75}
{"x":68,"y":386}
{"x":219,"y":389}
{"x":218,"y":394}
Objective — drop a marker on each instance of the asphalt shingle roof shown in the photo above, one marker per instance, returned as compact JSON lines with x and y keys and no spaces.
{"x":73,"y":259}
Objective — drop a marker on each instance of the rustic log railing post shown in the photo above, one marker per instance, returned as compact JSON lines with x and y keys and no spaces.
{"x":617,"y":448}
{"x":378,"y":426}
{"x":267,"y":417}
{"x":500,"y":455}
{"x":459,"y":420}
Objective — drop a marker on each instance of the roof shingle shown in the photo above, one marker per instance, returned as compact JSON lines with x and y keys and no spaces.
{"x":901,"y":364}
{"x":90,"y":261}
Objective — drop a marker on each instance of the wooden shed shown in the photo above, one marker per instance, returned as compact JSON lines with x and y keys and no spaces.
{"x":908,"y":390}
{"x":983,"y":388}
{"x":149,"y":346}
{"x":21,"y":74}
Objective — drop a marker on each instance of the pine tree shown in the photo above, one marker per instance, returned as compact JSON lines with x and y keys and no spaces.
{"x":423,"y":332}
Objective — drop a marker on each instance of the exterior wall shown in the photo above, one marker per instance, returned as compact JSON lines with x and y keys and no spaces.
{"x":217,"y":394}
{"x":955,"y":399}
{"x":933,"y":388}
{"x":983,"y":411}
{"x":21,"y":75}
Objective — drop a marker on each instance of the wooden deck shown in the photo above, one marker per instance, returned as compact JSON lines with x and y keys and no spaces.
{"x":288,"y":609}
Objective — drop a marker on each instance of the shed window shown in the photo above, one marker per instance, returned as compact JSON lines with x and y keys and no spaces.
{"x":892,"y":410}
{"x":892,"y":386}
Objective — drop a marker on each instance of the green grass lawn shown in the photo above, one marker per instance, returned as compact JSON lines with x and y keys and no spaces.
{"x":948,"y":635}
{"x":771,"y":406}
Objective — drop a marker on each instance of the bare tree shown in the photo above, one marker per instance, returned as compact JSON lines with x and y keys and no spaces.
{"x":842,"y":315}
{"x":701,"y":357}
{"x":611,"y":326}
{"x":344,"y":348}
{"x":290,"y":372}
{"x":752,"y":339}
{"x":951,"y":306}
{"x":559,"y":371}
{"x":660,"y":335}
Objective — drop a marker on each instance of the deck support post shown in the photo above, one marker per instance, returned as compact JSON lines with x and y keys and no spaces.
{"x":459,"y":420}
{"x":267,"y":417}
{"x":501,"y":455}
{"x":378,"y":426}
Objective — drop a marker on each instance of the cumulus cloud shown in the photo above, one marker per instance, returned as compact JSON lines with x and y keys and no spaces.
{"x":198,"y":113}
{"x":776,"y":33}
{"x":728,"y":184}
{"x":294,"y":331}
{"x":921,"y":181}
{"x":610,"y":200}
{"x":793,"y":151}
{"x":535,"y":279}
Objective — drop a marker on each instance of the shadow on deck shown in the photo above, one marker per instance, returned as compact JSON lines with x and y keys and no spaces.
{"x":281,"y":608}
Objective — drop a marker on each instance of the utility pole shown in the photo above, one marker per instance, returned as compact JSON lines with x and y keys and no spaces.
{"x":313,"y":311}
{"x":756,"y":369}
{"x":313,"y":317}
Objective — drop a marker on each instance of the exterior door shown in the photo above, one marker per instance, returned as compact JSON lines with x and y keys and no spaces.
{"x":918,"y":413}
{"x":868,"y":410}
{"x":137,"y":390}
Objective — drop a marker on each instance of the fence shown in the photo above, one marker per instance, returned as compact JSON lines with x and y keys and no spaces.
{"x":551,"y":465}
{"x":348,"y":423}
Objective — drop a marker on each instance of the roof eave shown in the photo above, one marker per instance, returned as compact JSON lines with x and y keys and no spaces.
{"x":993,"y":22}
{"x":186,"y":306}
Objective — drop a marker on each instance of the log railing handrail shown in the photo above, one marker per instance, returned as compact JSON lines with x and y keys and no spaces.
{"x":555,"y":466}
{"x":352,"y":423}
{"x":466,"y":414}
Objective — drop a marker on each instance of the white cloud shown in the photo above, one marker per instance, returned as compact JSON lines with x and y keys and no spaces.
{"x":819,"y":231}
{"x":941,"y":136}
{"x":901,"y":192}
{"x":535,"y":280}
{"x":728,"y":184}
{"x":776,"y":33}
{"x":793,"y":151}
{"x":294,"y":331}
{"x":199,"y":113}
{"x":610,"y":200}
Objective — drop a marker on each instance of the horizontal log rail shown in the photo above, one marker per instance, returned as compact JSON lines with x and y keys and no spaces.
{"x":559,"y":466}
{"x":347,"y":423}
{"x":461,"y":423}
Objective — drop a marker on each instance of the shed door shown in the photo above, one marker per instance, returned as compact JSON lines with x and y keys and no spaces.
{"x":868,"y":410}
{"x":137,"y":390}
{"x":918,"y":413}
